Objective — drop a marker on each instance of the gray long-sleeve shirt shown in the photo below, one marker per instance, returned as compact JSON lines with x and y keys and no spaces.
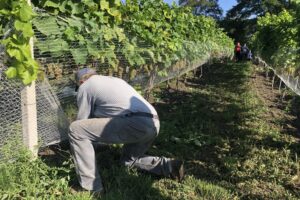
{"x":105,"y":96}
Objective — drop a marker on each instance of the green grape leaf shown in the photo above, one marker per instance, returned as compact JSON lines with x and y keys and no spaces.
{"x":81,"y":39}
{"x":47,"y":26}
{"x":26,"y":28}
{"x":51,"y":4}
{"x":4,"y":12}
{"x":149,"y":53}
{"x":120,"y":33}
{"x":26,"y":78}
{"x":92,"y":48}
{"x":108,"y":36}
{"x":20,"y":67}
{"x":104,"y":5}
{"x":25,"y":13}
{"x":76,"y":8}
{"x":70,"y":33}
{"x":75,"y":22}
{"x":117,"y":3}
{"x":91,"y":5}
{"x":56,"y":47}
{"x":41,"y":45}
{"x":114,"y":12}
{"x":16,"y":53}
{"x":79,"y":55}
{"x":34,"y":66}
{"x":11,"y":72}
{"x":62,"y":7}
{"x":25,"y":49}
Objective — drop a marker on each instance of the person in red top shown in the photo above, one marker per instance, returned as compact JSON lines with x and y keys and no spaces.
{"x":237,"y":52}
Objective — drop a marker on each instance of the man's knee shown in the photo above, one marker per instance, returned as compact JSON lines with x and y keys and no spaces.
{"x":74,"y":129}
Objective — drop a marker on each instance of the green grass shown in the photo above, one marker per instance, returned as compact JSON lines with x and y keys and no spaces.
{"x":22,"y":177}
{"x":216,"y":124}
{"x":219,"y":127}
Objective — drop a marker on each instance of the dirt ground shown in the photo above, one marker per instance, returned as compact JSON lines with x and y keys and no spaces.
{"x":281,"y":103}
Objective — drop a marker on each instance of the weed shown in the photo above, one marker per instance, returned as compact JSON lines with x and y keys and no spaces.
{"x":22,"y":177}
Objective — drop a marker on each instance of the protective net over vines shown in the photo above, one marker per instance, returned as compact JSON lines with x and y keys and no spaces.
{"x":289,"y":80}
{"x":144,"y":54}
{"x":51,"y":120}
{"x":10,"y":107}
{"x":132,"y":59}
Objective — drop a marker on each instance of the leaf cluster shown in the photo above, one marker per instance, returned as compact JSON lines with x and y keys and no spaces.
{"x":277,"y":42}
{"x":19,"y":14}
{"x":133,"y":35}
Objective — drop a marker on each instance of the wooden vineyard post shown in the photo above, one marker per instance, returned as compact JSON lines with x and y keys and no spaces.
{"x":29,"y":113}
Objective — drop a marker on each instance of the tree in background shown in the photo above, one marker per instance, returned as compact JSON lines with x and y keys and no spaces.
{"x":240,"y":21}
{"x":204,"y":7}
{"x":246,"y":9}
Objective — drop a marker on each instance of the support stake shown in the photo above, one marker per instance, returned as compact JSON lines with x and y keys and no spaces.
{"x":29,"y":118}
{"x":29,"y":113}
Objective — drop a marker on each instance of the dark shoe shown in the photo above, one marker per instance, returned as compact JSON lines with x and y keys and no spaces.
{"x":177,"y":170}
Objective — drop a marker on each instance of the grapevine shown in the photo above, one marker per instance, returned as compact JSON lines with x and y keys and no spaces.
{"x":17,"y":47}
{"x":147,"y":34}
{"x":276,"y":41}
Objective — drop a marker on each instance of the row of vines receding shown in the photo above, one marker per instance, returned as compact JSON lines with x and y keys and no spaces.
{"x":277,"y":40}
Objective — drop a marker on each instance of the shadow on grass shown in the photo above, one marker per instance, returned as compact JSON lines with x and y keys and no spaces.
{"x":206,"y":123}
{"x":212,"y":123}
{"x":119,"y":181}
{"x":202,"y":127}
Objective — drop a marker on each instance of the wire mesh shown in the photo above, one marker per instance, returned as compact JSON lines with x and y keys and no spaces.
{"x":51,"y":119}
{"x":56,"y":91}
{"x":52,"y":122}
{"x":289,"y":80}
{"x":10,"y":108}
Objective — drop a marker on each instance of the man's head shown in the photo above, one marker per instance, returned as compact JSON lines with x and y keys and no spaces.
{"x":84,"y":74}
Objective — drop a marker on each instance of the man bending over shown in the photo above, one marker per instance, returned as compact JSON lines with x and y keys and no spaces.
{"x":112,"y":112}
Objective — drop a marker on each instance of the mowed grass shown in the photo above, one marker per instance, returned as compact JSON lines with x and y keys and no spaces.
{"x":215,"y":123}
{"x":221,"y":129}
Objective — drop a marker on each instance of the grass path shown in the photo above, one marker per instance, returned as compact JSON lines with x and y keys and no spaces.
{"x":229,"y":135}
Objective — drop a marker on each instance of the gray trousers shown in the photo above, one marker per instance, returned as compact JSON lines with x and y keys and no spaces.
{"x":136,"y":133}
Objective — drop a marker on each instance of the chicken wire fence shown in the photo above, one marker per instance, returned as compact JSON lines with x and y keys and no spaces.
{"x":56,"y":91}
{"x":51,"y":119}
{"x":289,"y":80}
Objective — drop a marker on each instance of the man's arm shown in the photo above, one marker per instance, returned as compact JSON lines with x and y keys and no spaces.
{"x":84,"y":103}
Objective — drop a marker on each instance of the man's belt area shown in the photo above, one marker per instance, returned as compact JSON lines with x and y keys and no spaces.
{"x":141,"y":114}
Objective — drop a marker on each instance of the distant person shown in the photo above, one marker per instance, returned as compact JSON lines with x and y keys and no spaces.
{"x":237,"y":52}
{"x":113,"y":112}
{"x":249,"y":55}
{"x":245,"y":51}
